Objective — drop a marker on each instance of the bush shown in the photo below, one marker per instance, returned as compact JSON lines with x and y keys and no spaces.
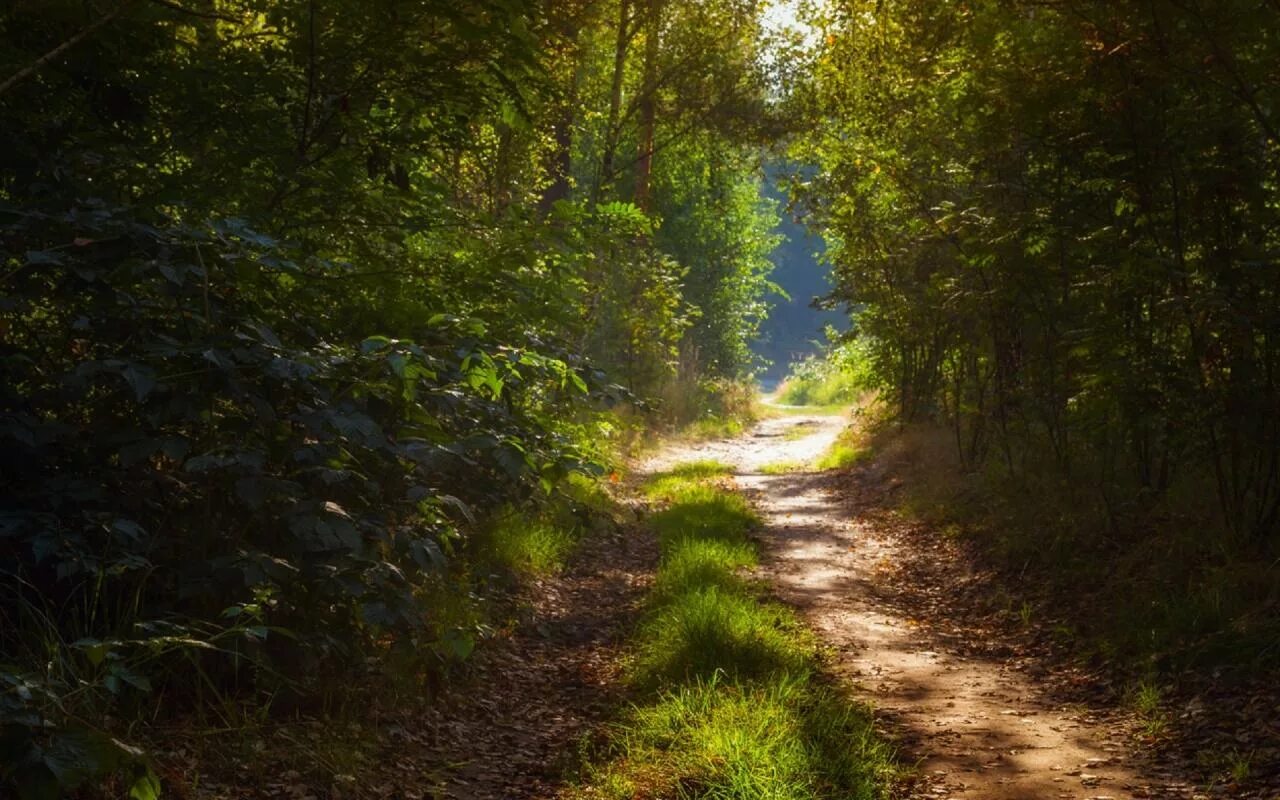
{"x":198,"y":484}
{"x":838,"y":378}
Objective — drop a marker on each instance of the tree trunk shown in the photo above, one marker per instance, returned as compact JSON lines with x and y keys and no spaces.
{"x":615,"y":99}
{"x":648,"y":105}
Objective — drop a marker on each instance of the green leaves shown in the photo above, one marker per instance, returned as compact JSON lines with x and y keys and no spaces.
{"x":233,"y":453}
{"x":625,"y":218}
{"x":283,"y":315}
{"x":1048,"y":256}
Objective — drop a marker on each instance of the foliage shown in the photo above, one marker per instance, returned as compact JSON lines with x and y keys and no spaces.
{"x":799,"y":313}
{"x":1057,"y":224}
{"x":1050,"y":539}
{"x":839,"y":377}
{"x":714,"y":217}
{"x":295,"y":294}
{"x":175,"y":466}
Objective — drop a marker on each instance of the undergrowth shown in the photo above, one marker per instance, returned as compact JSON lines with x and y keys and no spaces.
{"x":539,"y":544}
{"x":332,"y":738}
{"x":687,"y":411}
{"x":1152,"y":587}
{"x":837,"y":379}
{"x":830,"y":389}
{"x":717,"y":410}
{"x":736,"y":704}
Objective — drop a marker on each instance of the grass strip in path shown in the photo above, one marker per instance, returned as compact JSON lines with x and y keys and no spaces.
{"x":736,"y":706}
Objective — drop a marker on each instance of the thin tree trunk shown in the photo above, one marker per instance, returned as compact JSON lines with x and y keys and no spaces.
{"x":648,"y":105}
{"x":615,"y":98}
{"x":560,"y":164}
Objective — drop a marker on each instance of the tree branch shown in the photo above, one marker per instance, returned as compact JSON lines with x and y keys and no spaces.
{"x":84,"y":33}
{"x":196,"y":13}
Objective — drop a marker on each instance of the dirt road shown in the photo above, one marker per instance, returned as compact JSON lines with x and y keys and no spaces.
{"x":979,"y":726}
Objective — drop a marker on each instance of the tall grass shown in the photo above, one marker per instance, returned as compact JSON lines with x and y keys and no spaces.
{"x":539,"y":543}
{"x":832,"y":388}
{"x":737,"y":708}
{"x":708,"y":409}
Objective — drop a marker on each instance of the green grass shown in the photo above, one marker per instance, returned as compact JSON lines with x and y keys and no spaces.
{"x":527,"y":546}
{"x":784,"y":739}
{"x":713,"y":428}
{"x":668,"y":486}
{"x":737,"y":706}
{"x":702,"y":632}
{"x":540,"y":544}
{"x":782,"y":468}
{"x":805,"y":411}
{"x":846,"y":451}
{"x":1147,"y":699}
{"x":831,"y":387}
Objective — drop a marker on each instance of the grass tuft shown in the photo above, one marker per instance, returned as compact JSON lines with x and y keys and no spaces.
{"x":1148,"y":700}
{"x":782,"y":468}
{"x":526,"y":546}
{"x":715,"y":738}
{"x":848,"y":450}
{"x":720,"y":629}
{"x":540,"y":543}
{"x":669,"y":486}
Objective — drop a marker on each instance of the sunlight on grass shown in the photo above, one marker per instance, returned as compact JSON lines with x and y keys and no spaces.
{"x":530,"y":546}
{"x":835,"y":409}
{"x":714,"y":738}
{"x":702,"y":632}
{"x":667,"y":485}
{"x":737,"y":709}
{"x":842,"y":455}
{"x":827,"y":387}
{"x":1148,"y":700}
{"x":713,"y":428}
{"x":701,"y":563}
{"x":541,"y":544}
{"x":847,"y":450}
{"x":782,"y":468}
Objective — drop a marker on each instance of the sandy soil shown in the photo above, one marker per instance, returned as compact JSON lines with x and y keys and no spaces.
{"x":979,"y":726}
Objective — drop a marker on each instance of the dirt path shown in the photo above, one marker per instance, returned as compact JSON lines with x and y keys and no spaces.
{"x":980,"y":725}
{"x":511,"y":733}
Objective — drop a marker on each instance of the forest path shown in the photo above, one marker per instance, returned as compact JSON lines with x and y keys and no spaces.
{"x":981,"y":726}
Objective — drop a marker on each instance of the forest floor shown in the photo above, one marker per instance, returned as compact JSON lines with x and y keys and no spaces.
{"x":510,"y":729}
{"x":536,"y":696}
